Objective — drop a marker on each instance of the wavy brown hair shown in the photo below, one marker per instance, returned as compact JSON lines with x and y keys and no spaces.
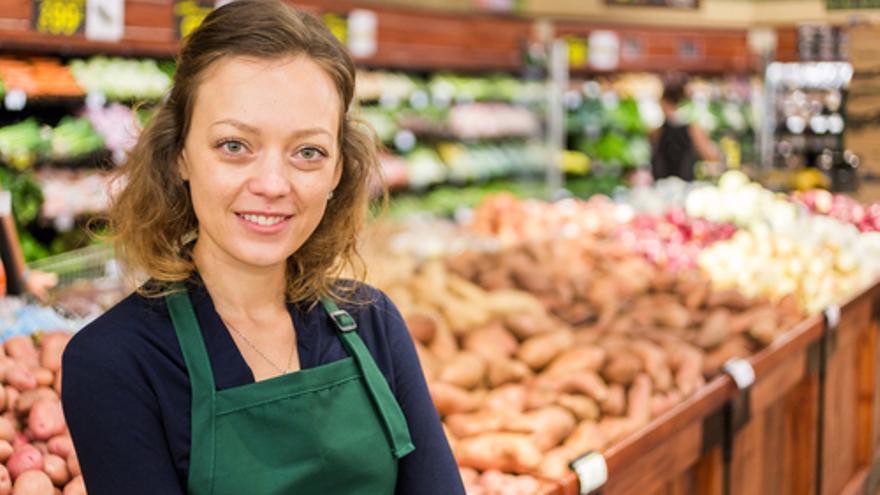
{"x":151,"y":217}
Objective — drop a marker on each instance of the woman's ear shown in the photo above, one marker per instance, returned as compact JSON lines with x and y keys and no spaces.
{"x":183,"y":166}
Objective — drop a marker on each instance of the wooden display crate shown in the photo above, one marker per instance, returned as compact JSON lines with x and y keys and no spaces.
{"x":785,"y":443}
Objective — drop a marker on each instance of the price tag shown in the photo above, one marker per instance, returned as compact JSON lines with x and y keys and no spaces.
{"x":337,"y":25}
{"x":15,"y":100}
{"x":105,"y":20}
{"x":59,"y":17}
{"x":832,"y":316}
{"x":189,"y":15}
{"x":578,"y":51}
{"x":741,"y":371}
{"x":95,"y":100}
{"x":362,"y":28}
{"x":591,"y":470}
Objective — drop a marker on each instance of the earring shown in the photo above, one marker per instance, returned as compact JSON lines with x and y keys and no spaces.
{"x":330,"y":196}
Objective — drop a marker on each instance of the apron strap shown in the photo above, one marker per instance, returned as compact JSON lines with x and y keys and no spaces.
{"x":389,"y":409}
{"x":201,"y":378}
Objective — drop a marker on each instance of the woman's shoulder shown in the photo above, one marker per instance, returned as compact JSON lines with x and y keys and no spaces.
{"x":122,"y":329}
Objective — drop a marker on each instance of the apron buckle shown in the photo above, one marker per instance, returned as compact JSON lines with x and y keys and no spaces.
{"x":343,"y":320}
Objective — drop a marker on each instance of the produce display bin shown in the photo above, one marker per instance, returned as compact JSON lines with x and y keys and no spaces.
{"x":89,"y":263}
{"x":809,"y":423}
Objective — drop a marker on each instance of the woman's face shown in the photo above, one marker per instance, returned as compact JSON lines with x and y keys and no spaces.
{"x":261,"y":157}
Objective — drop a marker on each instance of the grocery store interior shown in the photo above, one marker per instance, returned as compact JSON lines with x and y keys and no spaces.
{"x":636,"y":242}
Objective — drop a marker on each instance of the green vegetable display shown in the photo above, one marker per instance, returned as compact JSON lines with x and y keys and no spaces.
{"x":22,"y":144}
{"x":74,"y":137}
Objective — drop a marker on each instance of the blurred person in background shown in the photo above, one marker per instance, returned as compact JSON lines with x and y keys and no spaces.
{"x":678,"y":144}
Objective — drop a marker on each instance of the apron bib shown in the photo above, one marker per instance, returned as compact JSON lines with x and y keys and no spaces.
{"x":333,"y":429}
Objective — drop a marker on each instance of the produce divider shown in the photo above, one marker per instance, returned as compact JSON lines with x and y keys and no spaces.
{"x":777,"y":449}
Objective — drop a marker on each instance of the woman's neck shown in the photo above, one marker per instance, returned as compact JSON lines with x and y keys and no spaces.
{"x":241,"y":292}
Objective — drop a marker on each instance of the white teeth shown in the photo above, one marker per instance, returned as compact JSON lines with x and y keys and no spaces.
{"x":262,"y":220}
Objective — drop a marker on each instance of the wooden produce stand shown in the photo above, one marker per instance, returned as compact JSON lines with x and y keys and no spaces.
{"x":809,"y":422}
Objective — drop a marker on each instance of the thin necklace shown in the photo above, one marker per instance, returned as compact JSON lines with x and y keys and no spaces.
{"x":252,"y":346}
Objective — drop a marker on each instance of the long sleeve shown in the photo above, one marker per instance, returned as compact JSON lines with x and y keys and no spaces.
{"x":114,"y":421}
{"x":430,"y":468}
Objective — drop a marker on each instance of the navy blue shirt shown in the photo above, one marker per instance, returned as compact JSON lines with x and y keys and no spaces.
{"x":126,"y":391}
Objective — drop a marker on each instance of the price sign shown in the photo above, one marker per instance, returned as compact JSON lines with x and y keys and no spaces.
{"x":59,"y":17}
{"x":578,"y":51}
{"x":189,"y":15}
{"x":338,"y":25}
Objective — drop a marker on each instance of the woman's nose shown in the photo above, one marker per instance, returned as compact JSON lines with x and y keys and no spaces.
{"x":270,"y":177}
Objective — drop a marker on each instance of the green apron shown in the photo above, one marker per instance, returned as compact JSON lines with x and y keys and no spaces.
{"x":332,"y":429}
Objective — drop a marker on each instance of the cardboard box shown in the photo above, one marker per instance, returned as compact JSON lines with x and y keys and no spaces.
{"x":864,"y":48}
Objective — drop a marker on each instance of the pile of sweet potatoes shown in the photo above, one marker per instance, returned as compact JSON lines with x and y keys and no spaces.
{"x":539,"y":353}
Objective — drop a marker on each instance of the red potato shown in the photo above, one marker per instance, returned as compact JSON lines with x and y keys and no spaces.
{"x":75,"y":486}
{"x":51,"y":348}
{"x":12,"y":394}
{"x":20,"y":378}
{"x":56,"y":468}
{"x":508,"y":452}
{"x":24,"y":458}
{"x":5,"y":450}
{"x":73,"y":464}
{"x":33,"y":483}
{"x":582,"y":357}
{"x":20,"y":440}
{"x":45,"y":378}
{"x":22,"y":350}
{"x":5,"y":481}
{"x":42,"y":447}
{"x":7,"y":430}
{"x":46,"y":419}
{"x":5,"y":363}
{"x":539,"y":350}
{"x":56,"y":385}
{"x":27,"y":399}
{"x":466,"y":370}
{"x":61,"y":445}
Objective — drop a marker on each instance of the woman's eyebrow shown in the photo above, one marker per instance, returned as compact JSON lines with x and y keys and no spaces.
{"x":310,"y":131}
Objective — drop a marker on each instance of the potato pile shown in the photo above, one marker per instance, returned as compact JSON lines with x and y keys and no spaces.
{"x":36,"y":451}
{"x":565,"y":346}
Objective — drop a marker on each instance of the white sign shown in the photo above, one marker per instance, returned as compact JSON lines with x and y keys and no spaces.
{"x":105,"y":20}
{"x":604,"y":50}
{"x":362,"y":27}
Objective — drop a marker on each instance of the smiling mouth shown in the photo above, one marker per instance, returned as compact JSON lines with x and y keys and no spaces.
{"x":264,"y":220}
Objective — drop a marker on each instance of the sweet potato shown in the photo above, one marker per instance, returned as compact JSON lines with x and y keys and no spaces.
{"x":422,"y":325}
{"x":654,"y":363}
{"x":494,"y":482}
{"x":743,"y":321}
{"x":443,"y":345}
{"x":583,"y":407}
{"x":503,"y":370}
{"x":731,"y":299}
{"x":33,"y":483}
{"x":506,"y":302}
{"x":696,"y":294}
{"x":430,"y":363}
{"x":549,"y":426}
{"x":449,"y":399}
{"x":587,"y":436}
{"x":715,"y":329}
{"x":581,"y":357}
{"x":736,"y":347}
{"x":764,"y":329}
{"x":509,"y":452}
{"x":672,"y":315}
{"x":584,"y":382}
{"x":470,"y":424}
{"x":541,"y":394}
{"x":510,"y":398}
{"x":639,"y":400}
{"x":555,"y":463}
{"x":539,"y":350}
{"x":526,"y":325}
{"x":466,"y":370}
{"x":615,"y":429}
{"x":688,"y":364}
{"x":491,"y":341}
{"x":661,"y":403}
{"x":46,"y":419}
{"x":615,"y":400}
{"x":622,"y":367}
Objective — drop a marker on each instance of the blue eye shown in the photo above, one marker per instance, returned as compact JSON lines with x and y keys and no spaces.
{"x":312,"y":153}
{"x":232,"y":146}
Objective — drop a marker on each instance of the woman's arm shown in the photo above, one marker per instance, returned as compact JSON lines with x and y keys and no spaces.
{"x":706,"y":149}
{"x":431,"y":468}
{"x":114,"y":421}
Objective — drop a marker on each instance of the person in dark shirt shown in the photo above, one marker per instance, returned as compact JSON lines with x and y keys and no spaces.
{"x":244,"y":365}
{"x":678,"y":145}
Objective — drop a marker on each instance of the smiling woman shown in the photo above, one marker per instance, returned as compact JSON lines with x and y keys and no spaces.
{"x":244,"y":365}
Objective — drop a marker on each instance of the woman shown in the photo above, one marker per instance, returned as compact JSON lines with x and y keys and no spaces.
{"x":677,"y":144}
{"x":233,"y":370}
